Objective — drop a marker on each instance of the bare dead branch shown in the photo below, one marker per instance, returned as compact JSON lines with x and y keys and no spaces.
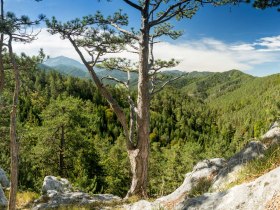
{"x":114,"y":79}
{"x":133,"y":36}
{"x":154,"y":91}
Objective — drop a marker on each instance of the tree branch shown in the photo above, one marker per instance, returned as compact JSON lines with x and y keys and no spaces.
{"x":136,"y":6}
{"x":154,"y":91}
{"x":169,"y":13}
{"x":155,"y":7}
{"x":106,"y":94}
{"x":133,"y":36}
{"x":115,"y":79}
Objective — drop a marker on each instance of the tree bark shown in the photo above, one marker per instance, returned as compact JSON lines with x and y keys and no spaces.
{"x":13,"y":136}
{"x":2,"y":75}
{"x":61,"y":152}
{"x":138,"y":151}
{"x":139,"y":156}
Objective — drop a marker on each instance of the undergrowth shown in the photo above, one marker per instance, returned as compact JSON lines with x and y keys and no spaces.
{"x":202,"y":186}
{"x":24,"y":199}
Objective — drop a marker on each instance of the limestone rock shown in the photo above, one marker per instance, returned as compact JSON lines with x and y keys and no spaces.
{"x":106,"y":197}
{"x":58,"y":184}
{"x":204,"y":169}
{"x":274,"y":125}
{"x":3,"y":200}
{"x":227,"y":175}
{"x":272,"y":136}
{"x":255,"y":195}
{"x":4,"y":181}
{"x":142,"y":204}
{"x":58,"y":192}
{"x":55,"y":199}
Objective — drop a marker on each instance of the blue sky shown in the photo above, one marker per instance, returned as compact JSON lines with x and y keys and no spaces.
{"x":215,"y":39}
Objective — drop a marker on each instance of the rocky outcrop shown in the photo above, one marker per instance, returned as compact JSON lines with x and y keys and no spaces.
{"x":273,"y":135}
{"x":228,"y":174}
{"x":3,"y":200}
{"x":52,"y":183}
{"x":59,"y":192}
{"x":255,"y":195}
{"x":4,"y":183}
{"x":263,"y":193}
{"x":221,"y":173}
{"x":204,"y":169}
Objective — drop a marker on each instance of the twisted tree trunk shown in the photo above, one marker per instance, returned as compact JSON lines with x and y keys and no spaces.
{"x":139,"y":156}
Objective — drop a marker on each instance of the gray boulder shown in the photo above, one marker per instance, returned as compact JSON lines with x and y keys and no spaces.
{"x":55,"y":199}
{"x":272,"y":136}
{"x":3,"y":200}
{"x":4,"y":181}
{"x":59,"y":192}
{"x":228,"y":174}
{"x":257,"y":195}
{"x":52,"y":183}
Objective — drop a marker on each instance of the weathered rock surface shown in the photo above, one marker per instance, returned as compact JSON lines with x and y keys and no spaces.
{"x":3,"y":200}
{"x":255,"y":195}
{"x":57,"y":184}
{"x":204,"y":169}
{"x":228,"y":174}
{"x":142,"y":204}
{"x":273,"y":135}
{"x":58,"y":192}
{"x":261,"y":194}
{"x":4,"y":181}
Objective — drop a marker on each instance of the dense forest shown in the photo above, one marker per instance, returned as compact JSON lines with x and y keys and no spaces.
{"x":67,"y":129}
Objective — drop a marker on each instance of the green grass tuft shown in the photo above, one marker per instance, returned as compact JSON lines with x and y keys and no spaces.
{"x":202,"y":186}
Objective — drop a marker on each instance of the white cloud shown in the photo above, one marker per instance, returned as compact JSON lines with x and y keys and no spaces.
{"x":53,"y":45}
{"x":206,"y":54}
{"x":269,"y":43}
{"x":242,"y":47}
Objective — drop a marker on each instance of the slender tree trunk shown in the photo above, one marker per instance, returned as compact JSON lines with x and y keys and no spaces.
{"x":2,"y":75}
{"x":138,"y":152}
{"x":61,"y":152}
{"x":13,"y":136}
{"x":139,"y":156}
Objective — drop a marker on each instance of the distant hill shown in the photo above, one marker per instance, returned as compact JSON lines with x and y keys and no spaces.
{"x":65,"y":61}
{"x":202,"y":84}
{"x":210,"y":85}
{"x":68,"y":66}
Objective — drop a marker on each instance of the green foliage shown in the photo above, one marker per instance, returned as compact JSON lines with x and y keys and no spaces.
{"x":116,"y":165}
{"x":260,"y":4}
{"x":185,"y":127}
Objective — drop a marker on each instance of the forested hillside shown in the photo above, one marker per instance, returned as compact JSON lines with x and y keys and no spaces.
{"x":67,"y":129}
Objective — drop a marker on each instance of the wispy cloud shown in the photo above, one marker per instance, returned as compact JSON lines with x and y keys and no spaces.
{"x":206,"y":54}
{"x":268,"y":43}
